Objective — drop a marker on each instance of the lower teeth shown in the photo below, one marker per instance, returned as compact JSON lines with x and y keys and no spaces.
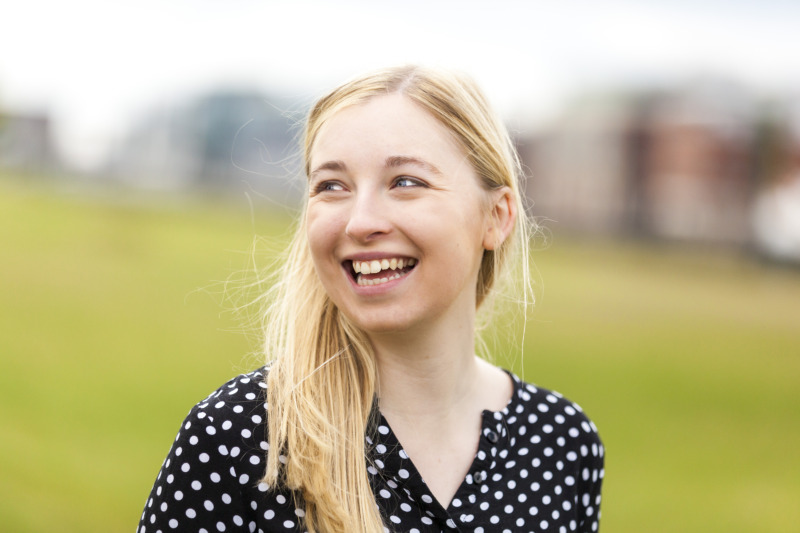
{"x":377,"y":281}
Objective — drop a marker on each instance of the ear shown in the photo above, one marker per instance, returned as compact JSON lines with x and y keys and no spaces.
{"x":501,"y":219}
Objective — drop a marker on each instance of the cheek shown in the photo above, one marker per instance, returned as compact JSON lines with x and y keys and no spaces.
{"x":322,"y":232}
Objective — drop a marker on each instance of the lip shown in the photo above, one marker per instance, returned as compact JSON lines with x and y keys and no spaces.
{"x":347,"y":269}
{"x":368,"y":290}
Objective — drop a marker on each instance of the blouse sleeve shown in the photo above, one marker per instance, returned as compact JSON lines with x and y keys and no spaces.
{"x":592,"y":472}
{"x":197,"y":487}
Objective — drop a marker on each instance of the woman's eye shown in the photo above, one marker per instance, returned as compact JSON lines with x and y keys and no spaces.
{"x":405,"y":181}
{"x":328,"y":186}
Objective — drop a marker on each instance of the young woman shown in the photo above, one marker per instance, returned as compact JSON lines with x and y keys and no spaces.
{"x":373,"y":412}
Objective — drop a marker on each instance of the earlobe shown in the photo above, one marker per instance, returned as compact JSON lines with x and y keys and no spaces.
{"x":503,"y":215}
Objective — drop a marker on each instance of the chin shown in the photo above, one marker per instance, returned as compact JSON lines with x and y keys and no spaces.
{"x":381,"y":325}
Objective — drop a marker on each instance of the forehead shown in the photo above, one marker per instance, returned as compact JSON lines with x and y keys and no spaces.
{"x":385,"y":126}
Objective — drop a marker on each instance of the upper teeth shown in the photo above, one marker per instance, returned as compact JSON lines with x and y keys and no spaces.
{"x":375,"y":266}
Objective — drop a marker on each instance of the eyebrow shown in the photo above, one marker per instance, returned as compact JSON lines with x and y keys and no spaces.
{"x":335,"y":165}
{"x":394,"y":161}
{"x":401,"y":160}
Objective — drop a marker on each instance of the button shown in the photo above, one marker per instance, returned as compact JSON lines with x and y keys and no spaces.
{"x":480,"y":477}
{"x":492,"y":437}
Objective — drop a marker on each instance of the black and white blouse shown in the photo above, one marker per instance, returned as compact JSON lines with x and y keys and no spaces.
{"x":538,"y":468}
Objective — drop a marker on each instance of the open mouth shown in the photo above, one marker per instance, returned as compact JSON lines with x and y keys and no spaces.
{"x":379,"y":271}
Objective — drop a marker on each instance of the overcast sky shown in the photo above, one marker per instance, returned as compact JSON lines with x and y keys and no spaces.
{"x":97,"y":64}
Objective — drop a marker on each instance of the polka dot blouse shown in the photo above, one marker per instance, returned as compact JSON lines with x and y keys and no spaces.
{"x":538,"y":468}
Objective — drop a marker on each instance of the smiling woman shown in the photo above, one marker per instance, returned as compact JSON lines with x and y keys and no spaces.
{"x":373,"y":412}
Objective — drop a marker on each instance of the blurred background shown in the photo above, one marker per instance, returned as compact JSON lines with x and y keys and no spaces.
{"x":149,"y":172}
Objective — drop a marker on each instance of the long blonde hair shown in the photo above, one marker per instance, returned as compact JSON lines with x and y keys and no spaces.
{"x":322,"y":376}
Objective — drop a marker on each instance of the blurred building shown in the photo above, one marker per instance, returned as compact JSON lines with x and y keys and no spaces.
{"x":698,"y":176}
{"x":776,"y":216}
{"x":676,"y":164}
{"x":581,"y":169}
{"x":26,"y":142}
{"x":222,"y":141}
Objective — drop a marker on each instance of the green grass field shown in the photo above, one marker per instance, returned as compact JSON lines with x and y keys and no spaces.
{"x":115,"y":321}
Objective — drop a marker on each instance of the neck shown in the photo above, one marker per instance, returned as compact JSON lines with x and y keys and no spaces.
{"x":426,"y":372}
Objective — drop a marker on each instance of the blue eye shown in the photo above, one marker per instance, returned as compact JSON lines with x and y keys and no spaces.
{"x":405,"y":181}
{"x":328,"y":186}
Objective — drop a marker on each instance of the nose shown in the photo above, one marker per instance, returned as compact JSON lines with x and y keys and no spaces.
{"x":368,"y":219}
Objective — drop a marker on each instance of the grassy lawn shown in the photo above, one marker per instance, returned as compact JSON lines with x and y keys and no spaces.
{"x":116,"y":320}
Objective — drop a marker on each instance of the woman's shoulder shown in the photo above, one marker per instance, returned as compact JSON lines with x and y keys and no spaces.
{"x":237,"y":404}
{"x":549,"y":410}
{"x":218,"y":453}
{"x":246,"y":387}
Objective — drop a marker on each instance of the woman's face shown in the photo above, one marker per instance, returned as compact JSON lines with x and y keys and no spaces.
{"x":397,"y":220}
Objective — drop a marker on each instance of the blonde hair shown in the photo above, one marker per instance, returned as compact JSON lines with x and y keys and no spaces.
{"x":322,"y":376}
